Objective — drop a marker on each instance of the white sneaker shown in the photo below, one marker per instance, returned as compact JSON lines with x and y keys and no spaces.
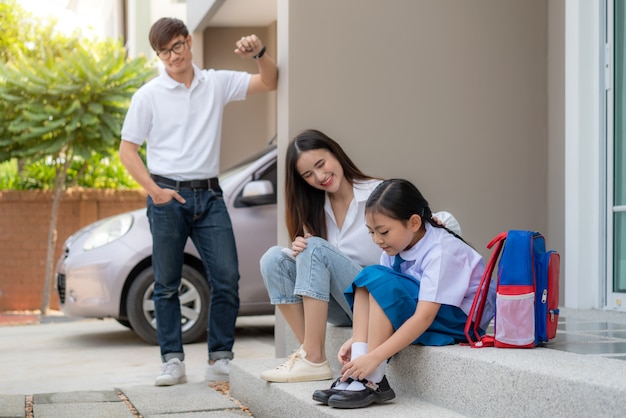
{"x":218,"y":371}
{"x":298,"y":369}
{"x":172,"y":373}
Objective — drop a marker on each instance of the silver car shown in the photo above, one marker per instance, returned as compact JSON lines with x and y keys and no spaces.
{"x":106,"y":269}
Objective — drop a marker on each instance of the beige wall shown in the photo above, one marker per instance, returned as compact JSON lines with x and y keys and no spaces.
{"x":452,"y":95}
{"x":463,"y":98}
{"x":247,"y":125}
{"x":555,"y":231}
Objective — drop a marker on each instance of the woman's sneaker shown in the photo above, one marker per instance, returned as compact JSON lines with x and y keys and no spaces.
{"x":298,"y":369}
{"x":172,"y":373}
{"x":218,"y":371}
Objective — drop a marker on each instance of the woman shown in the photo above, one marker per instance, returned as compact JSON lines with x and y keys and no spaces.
{"x":325,"y":196}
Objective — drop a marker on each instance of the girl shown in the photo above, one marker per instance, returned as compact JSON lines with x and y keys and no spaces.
{"x":325,"y":195}
{"x":420,"y":294}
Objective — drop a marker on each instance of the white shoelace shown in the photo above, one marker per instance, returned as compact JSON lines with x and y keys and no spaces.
{"x":168,"y":368}
{"x":291,"y":361}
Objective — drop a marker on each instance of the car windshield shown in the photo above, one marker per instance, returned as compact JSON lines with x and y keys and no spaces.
{"x":242,"y":165}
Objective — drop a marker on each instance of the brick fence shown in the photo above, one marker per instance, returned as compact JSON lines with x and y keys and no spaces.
{"x":24,"y":226}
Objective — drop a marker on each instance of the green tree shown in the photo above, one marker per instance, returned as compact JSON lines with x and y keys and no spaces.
{"x":97,"y":172}
{"x":63,"y":104}
{"x":12,"y":38}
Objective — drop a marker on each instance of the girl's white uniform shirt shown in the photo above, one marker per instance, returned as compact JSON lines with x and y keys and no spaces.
{"x":449,"y":271}
{"x":183,"y":126}
{"x":353,"y":240}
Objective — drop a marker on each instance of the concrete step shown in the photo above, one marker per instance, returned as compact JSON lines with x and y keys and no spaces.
{"x":274,"y":400}
{"x":454,"y":381}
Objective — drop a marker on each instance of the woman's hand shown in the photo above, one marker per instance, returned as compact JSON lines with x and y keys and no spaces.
{"x":299,"y":244}
{"x":345,"y":352}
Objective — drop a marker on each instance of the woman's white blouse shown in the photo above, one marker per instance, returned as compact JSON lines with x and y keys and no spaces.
{"x":354,"y":239}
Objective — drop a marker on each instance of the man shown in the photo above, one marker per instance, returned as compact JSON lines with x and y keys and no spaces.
{"x":179,"y":115}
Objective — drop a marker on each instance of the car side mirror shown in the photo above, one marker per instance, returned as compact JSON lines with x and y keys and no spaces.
{"x":258,"y":192}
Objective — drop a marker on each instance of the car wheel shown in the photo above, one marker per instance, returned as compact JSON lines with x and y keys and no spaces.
{"x":193,"y":294}
{"x":124,"y":322}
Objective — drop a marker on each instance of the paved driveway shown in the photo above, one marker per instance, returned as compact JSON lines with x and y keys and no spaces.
{"x":90,"y":354}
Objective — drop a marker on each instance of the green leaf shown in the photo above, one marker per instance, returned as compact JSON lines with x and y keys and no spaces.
{"x":70,"y":95}
{"x":95,"y":108}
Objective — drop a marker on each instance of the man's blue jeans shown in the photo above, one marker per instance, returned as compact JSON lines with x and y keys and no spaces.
{"x":204,"y":218}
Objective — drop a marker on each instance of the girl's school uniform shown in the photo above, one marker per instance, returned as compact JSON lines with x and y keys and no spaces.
{"x":439,"y":268}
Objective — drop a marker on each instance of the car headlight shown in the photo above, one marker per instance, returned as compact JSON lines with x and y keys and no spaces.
{"x":108,"y":230}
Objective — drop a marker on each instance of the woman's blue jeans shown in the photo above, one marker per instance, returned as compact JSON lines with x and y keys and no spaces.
{"x":204,"y":218}
{"x":320,"y":272}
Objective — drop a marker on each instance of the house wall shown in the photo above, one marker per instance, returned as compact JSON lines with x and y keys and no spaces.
{"x":249,"y":124}
{"x":451,"y":95}
{"x":555,"y":228}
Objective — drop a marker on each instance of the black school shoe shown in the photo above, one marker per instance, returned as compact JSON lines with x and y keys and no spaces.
{"x":373,"y":393}
{"x":322,"y":395}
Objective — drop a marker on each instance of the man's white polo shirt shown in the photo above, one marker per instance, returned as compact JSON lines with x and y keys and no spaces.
{"x":183,"y":127}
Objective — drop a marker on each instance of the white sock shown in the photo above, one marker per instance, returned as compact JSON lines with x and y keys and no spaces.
{"x":355,"y":386}
{"x":377,"y":375}
{"x":341,"y":386}
{"x":358,"y":349}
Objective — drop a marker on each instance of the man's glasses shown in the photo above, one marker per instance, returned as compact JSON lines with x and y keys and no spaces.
{"x":178,"y":48}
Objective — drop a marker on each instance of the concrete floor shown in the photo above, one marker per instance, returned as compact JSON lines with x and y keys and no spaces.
{"x":57,"y":354}
{"x":596,"y":333}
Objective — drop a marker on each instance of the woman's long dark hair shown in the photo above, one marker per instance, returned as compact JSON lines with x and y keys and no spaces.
{"x":305,"y":204}
{"x":399,"y":199}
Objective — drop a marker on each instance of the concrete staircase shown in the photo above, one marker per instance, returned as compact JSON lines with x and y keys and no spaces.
{"x":453,"y":381}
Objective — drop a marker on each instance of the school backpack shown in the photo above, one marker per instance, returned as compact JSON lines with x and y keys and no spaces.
{"x":527,"y":293}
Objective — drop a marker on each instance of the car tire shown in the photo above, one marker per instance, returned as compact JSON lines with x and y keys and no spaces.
{"x":194,"y":296}
{"x":124,"y":322}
